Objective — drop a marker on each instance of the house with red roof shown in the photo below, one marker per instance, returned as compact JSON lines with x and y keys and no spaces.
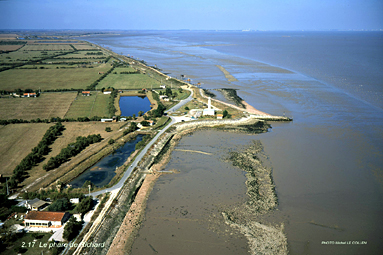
{"x":46,"y":219}
{"x":30,"y":95}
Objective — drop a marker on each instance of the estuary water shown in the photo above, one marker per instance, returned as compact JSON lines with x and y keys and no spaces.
{"x":327,"y":163}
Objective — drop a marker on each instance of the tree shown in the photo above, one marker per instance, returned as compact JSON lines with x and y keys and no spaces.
{"x":85,"y":205}
{"x":111,"y":141}
{"x":108,"y":129}
{"x":134,"y":116}
{"x":225,"y":113}
{"x":72,"y":229}
{"x":187,"y":108}
{"x":140,"y":113}
{"x":145,"y":123}
{"x":168,"y":92}
{"x":60,"y":205}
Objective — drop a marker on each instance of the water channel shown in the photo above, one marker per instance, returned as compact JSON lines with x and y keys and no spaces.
{"x":102,"y":173}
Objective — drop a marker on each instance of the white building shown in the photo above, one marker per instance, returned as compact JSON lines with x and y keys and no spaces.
{"x":209,"y":111}
{"x":46,"y":219}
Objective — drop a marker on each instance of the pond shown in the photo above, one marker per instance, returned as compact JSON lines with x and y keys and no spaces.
{"x":132,"y":105}
{"x":102,"y":173}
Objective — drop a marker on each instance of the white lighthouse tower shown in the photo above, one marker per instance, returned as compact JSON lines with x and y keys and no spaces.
{"x":209,"y":110}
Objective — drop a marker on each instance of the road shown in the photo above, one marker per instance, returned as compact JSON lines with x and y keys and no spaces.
{"x":145,"y":150}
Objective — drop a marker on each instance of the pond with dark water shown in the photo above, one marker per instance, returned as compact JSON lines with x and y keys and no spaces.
{"x":102,"y":173}
{"x":130,"y":105}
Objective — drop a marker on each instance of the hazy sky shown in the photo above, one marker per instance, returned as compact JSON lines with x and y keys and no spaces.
{"x":192,"y":14}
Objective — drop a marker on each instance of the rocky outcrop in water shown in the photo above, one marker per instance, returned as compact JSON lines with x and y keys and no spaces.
{"x":263,"y":238}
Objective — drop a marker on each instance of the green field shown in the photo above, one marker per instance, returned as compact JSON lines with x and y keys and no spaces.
{"x":127,"y":81}
{"x":83,"y":47}
{"x":22,"y":56}
{"x":49,"y":47}
{"x":44,"y":79}
{"x":83,"y":54}
{"x":45,"y":106}
{"x":89,"y":106}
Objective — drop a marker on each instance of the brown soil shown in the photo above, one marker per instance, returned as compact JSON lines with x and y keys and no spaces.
{"x":129,"y":227}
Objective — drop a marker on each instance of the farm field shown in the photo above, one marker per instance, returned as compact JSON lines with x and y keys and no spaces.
{"x":17,"y":141}
{"x":46,"y":79}
{"x":83,"y":47}
{"x":127,"y":81}
{"x":22,"y":56}
{"x":10,"y":47}
{"x":83,"y":54}
{"x":71,"y":132}
{"x":47,"y":47}
{"x":89,"y":106}
{"x":45,"y":106}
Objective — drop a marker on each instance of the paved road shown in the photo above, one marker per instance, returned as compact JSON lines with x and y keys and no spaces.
{"x":143,"y":152}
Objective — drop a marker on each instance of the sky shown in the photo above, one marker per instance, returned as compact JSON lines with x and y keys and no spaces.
{"x":192,"y":14}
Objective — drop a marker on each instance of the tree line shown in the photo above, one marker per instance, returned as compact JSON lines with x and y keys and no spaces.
{"x":71,"y":150}
{"x":37,"y":154}
{"x":51,"y":120}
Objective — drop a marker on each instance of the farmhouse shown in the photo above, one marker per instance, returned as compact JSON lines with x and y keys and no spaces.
{"x":45,"y":219}
{"x":164,"y":97}
{"x":34,"y":204}
{"x":86,"y":93}
{"x":220,"y":116}
{"x":29,"y":94}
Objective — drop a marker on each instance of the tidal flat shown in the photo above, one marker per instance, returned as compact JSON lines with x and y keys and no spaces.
{"x":185,"y":211}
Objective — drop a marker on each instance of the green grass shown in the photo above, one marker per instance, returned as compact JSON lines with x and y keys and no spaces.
{"x":78,"y":78}
{"x":89,"y":106}
{"x":82,"y":54}
{"x":22,"y":56}
{"x":49,"y":47}
{"x":127,"y":81}
{"x":27,"y":241}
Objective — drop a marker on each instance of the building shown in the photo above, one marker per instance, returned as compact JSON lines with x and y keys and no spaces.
{"x":107,"y":92}
{"x":34,"y":204}
{"x":86,"y":93}
{"x":219,"y":116}
{"x":209,"y":111}
{"x":30,"y":95}
{"x":164,"y":97}
{"x":74,"y":200}
{"x":162,"y":86}
{"x":46,"y":219}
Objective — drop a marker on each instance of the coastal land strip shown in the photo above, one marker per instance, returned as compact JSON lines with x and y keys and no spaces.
{"x":119,"y":236}
{"x":118,"y":221}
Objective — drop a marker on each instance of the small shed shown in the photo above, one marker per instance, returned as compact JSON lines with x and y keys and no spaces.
{"x":86,"y":93}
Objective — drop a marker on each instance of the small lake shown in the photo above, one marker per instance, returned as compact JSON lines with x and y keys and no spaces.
{"x":132,"y":105}
{"x":102,"y":173}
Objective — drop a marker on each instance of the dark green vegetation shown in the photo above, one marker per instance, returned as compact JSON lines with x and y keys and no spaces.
{"x":60,"y":205}
{"x":209,"y":93}
{"x":231,"y":94}
{"x":143,"y":142}
{"x":72,"y":229}
{"x":71,"y":150}
{"x":255,"y":128}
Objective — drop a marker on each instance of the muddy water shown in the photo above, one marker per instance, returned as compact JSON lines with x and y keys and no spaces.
{"x":327,"y":164}
{"x":184,"y":210}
